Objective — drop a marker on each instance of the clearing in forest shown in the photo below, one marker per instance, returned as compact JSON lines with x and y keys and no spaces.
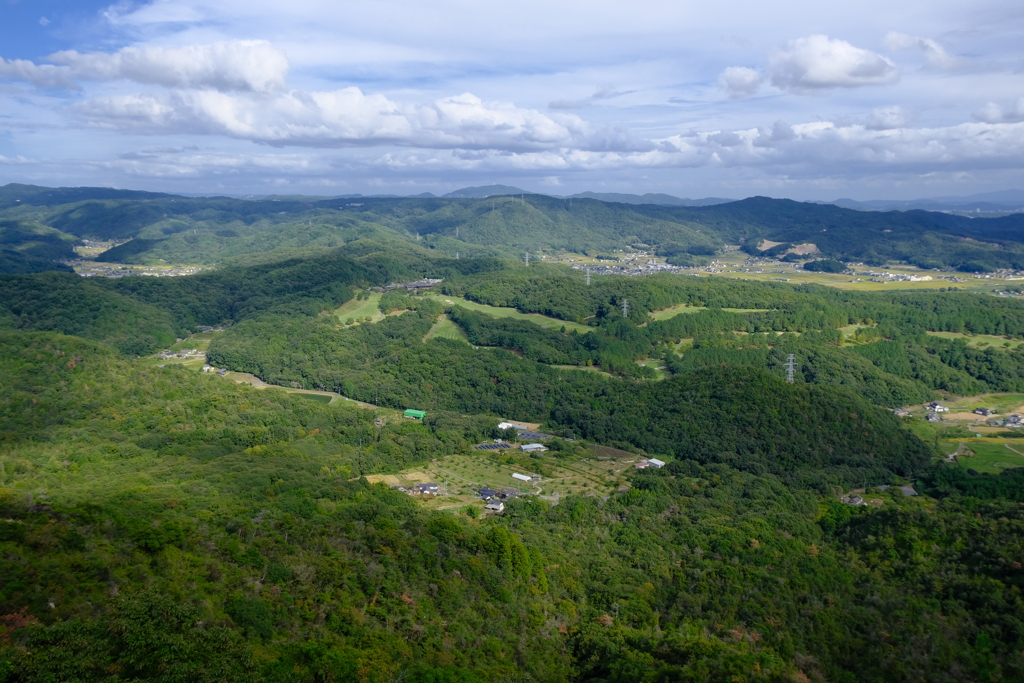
{"x":446,"y":329}
{"x":980,"y":340}
{"x":500,"y":312}
{"x":673,"y":311}
{"x":559,"y":477}
{"x":358,"y":310}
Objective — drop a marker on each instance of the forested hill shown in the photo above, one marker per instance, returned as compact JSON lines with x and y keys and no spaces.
{"x":140,"y":315}
{"x":158,"y":524}
{"x":209,"y":230}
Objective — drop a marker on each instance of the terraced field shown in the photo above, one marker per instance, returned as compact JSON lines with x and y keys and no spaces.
{"x":469,"y":473}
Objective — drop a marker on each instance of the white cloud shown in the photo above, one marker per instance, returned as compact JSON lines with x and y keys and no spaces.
{"x":818,"y":149}
{"x":740,"y":81}
{"x":818,"y":62}
{"x":238,"y":65}
{"x":934,"y":53}
{"x":888,"y":118}
{"x":350,"y":118}
{"x":994,"y":113}
{"x":39,"y":75}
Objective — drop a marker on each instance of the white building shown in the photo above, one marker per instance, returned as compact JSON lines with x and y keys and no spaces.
{"x":532,"y":448}
{"x":520,"y":477}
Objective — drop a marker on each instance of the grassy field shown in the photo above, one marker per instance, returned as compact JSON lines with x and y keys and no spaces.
{"x":446,"y":329}
{"x":319,"y":398}
{"x":980,"y":340}
{"x":587,"y":368}
{"x":666,"y":313}
{"x":466,"y":474}
{"x":655,"y":364}
{"x":991,"y":457}
{"x":499,"y":312}
{"x":360,"y":309}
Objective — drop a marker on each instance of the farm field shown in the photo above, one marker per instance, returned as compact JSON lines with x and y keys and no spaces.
{"x":992,"y":457}
{"x":446,"y":329}
{"x":469,"y":473}
{"x":356,"y":309}
{"x":1003,"y":404}
{"x":499,"y":312}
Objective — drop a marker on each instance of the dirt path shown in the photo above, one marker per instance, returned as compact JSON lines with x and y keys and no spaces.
{"x":1013,"y":449}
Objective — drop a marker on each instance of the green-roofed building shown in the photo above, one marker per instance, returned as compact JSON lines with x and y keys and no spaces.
{"x":415,"y":414}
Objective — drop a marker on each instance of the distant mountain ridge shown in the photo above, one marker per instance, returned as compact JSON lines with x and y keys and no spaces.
{"x":41,"y":226}
{"x":1002,"y":201}
{"x":657,"y":199}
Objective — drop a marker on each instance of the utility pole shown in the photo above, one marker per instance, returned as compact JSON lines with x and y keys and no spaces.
{"x":456,"y":256}
{"x":456,"y":232}
{"x":625,"y":308}
{"x":527,"y":259}
{"x":588,"y":277}
{"x":790,"y":368}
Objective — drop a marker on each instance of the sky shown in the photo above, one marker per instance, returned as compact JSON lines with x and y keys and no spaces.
{"x":807,"y":100}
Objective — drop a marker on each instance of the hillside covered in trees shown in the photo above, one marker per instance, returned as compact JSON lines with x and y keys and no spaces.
{"x":40,"y":225}
{"x":168,"y":525}
{"x":159,"y":523}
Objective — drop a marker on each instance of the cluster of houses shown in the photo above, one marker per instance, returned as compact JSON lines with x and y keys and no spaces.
{"x":934,"y":408}
{"x":1012,"y":422}
{"x":495,"y":500}
{"x":209,"y":368}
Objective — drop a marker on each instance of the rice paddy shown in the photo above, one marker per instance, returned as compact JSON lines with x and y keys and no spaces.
{"x":992,"y":458}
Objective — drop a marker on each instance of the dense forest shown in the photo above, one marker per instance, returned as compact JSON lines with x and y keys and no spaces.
{"x":159,"y":523}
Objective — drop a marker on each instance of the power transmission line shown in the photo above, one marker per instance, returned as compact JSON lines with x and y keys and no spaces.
{"x":790,"y":368}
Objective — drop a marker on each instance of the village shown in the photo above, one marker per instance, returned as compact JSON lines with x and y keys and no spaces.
{"x":523,"y":466}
